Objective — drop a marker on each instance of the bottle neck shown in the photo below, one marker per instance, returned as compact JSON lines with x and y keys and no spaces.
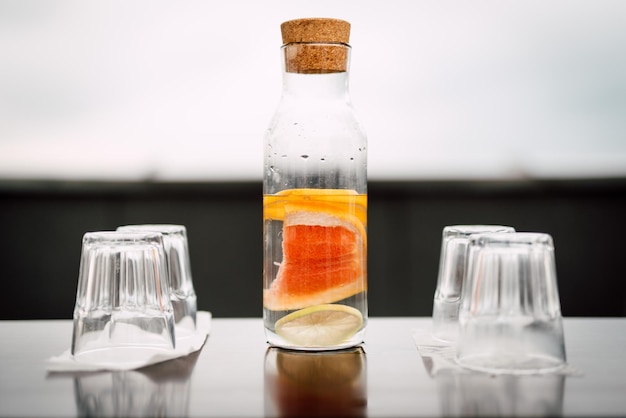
{"x":316,"y":71}
{"x":333,"y":86}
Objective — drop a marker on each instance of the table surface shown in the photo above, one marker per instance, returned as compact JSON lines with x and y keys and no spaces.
{"x":235,"y":374}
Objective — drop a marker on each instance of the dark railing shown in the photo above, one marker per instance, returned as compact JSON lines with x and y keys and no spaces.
{"x":43,"y":223}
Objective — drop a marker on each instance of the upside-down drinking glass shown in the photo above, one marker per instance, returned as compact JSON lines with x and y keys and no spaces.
{"x":123,"y":310}
{"x":452,"y":273}
{"x":510,"y":314}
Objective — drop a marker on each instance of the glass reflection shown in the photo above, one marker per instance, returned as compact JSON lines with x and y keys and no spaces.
{"x":483,"y":394}
{"x":315,"y":384}
{"x":159,"y":390}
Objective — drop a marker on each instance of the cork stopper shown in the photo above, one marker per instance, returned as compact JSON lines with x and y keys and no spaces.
{"x":318,"y":30}
{"x":316,"y":45}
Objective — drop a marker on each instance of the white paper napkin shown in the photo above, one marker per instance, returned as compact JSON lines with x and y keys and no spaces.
{"x":440,"y":356}
{"x":185,"y":345}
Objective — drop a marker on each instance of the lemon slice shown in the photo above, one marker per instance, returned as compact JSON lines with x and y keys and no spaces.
{"x":320,"y":326}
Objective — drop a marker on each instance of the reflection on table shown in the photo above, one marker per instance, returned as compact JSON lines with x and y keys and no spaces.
{"x":315,"y":384}
{"x":503,"y":395}
{"x":159,"y":390}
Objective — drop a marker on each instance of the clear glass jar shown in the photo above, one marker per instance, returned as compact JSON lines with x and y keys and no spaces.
{"x":315,"y":197}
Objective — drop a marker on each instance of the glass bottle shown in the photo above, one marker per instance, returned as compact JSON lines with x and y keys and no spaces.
{"x":315,"y":196}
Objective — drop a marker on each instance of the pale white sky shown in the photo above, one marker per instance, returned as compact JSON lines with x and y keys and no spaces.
{"x":164,"y":90}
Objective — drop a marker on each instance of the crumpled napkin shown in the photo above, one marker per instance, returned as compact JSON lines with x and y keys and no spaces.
{"x":184,"y":346}
{"x":440,"y":357}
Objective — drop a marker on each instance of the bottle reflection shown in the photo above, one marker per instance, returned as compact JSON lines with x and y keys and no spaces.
{"x":315,"y":384}
{"x":159,"y":390}
{"x":503,"y":395}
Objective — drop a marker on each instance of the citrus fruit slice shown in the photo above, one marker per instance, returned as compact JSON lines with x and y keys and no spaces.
{"x":324,"y":246}
{"x":320,"y":326}
{"x":323,"y":262}
{"x":341,"y":203}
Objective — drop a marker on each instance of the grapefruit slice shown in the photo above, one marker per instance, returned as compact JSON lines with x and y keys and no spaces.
{"x":320,"y":326}
{"x":323,"y":260}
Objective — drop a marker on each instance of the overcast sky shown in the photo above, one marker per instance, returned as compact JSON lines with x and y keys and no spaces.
{"x":184,"y":90}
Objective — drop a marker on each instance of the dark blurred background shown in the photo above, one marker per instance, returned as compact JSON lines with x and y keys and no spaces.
{"x":43,"y":224}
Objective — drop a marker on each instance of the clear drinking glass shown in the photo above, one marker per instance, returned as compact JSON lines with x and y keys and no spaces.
{"x":510,"y":315}
{"x":183,"y":295}
{"x":452,"y":273}
{"x":123,"y":310}
{"x":315,"y":197}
